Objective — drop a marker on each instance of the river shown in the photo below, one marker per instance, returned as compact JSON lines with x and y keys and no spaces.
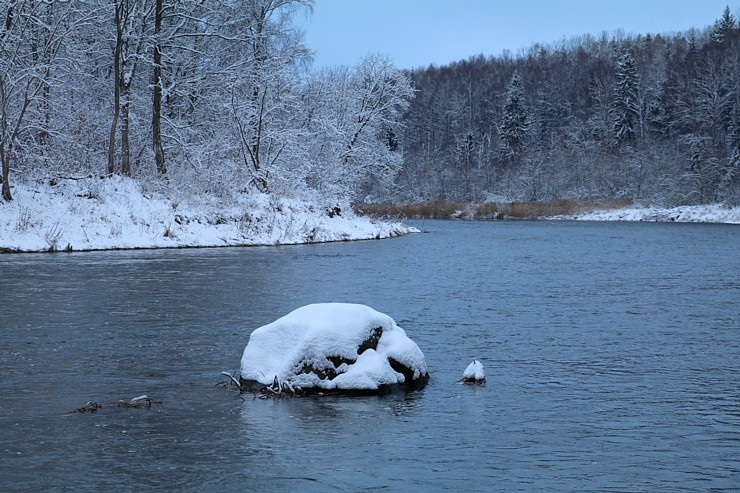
{"x":612,"y":353}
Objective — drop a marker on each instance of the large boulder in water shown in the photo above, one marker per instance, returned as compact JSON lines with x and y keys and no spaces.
{"x":333,"y":347}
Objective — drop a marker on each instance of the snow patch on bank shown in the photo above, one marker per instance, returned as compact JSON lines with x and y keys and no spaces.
{"x":114,"y":213}
{"x":714,"y":213}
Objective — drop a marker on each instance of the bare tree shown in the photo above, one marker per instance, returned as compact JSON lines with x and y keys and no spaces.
{"x":31,"y":38}
{"x":157,"y":90}
{"x":130,"y":18}
{"x":356,"y":127}
{"x":261,"y":98}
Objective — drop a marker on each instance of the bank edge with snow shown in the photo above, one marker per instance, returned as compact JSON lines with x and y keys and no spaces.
{"x":712,"y":213}
{"x":114,"y":213}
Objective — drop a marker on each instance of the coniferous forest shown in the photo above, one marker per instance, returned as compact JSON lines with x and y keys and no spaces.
{"x":216,"y":97}
{"x":650,"y":118}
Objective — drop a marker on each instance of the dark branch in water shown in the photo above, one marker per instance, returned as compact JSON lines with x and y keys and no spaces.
{"x":232,"y":379}
{"x":88,"y":407}
{"x":138,"y":402}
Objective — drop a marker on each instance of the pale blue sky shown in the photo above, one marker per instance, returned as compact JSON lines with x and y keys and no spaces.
{"x":415,"y":33}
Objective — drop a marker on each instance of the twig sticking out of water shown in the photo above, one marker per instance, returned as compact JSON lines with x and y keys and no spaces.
{"x":231,"y":383}
{"x":90,"y":406}
{"x":232,"y":379}
{"x":279,"y":389}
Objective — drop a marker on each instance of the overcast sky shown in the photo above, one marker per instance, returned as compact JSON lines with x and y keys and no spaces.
{"x":416,"y":33}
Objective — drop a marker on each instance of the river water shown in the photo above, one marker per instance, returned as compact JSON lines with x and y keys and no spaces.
{"x":612,"y":352}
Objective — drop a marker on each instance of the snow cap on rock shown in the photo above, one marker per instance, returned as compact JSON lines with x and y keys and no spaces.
{"x":333,"y":346}
{"x":474,"y":373}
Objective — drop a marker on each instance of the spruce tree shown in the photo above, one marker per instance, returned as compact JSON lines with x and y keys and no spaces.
{"x":626,"y":105}
{"x":515,"y":121}
{"x":723,"y":26}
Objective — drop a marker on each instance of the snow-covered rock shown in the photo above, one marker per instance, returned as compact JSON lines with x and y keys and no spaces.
{"x":474,"y":373}
{"x":339,"y":347}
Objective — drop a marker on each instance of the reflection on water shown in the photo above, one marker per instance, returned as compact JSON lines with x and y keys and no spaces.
{"x":612,"y":356}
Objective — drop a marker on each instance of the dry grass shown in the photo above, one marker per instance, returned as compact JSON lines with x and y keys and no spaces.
{"x":438,"y":209}
{"x":443,"y":209}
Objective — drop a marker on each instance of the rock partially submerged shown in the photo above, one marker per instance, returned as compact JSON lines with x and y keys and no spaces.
{"x":474,"y":374}
{"x":335,"y":348}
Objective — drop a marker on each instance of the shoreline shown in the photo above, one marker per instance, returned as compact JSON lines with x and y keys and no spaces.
{"x":561,"y":210}
{"x":116,"y":214}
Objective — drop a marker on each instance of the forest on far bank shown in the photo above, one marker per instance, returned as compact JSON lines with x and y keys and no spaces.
{"x":220,"y":100}
{"x":651,"y":118}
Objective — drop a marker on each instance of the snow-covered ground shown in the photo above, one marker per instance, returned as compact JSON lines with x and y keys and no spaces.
{"x":332,"y":346}
{"x":715,"y":213}
{"x":114,"y":213}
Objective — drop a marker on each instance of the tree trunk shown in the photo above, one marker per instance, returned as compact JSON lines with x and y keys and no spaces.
{"x":5,"y":153}
{"x":116,"y":89}
{"x":125,"y":149}
{"x":5,"y":158}
{"x":157,"y":93}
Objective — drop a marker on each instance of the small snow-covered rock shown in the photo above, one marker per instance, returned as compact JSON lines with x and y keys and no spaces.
{"x":339,"y":347}
{"x":474,"y":373}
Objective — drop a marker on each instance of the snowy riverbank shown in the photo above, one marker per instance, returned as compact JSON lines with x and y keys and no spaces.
{"x":114,"y":213}
{"x":715,"y":213}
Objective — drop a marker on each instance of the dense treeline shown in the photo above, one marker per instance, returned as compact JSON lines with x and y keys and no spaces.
{"x":219,"y":97}
{"x":651,"y":118}
{"x":209,"y":97}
